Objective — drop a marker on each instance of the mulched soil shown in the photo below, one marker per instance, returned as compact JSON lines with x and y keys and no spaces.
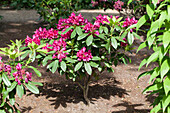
{"x":118,"y":92}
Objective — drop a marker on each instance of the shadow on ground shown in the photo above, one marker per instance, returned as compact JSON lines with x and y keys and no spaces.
{"x":130,"y":108}
{"x":61,"y":94}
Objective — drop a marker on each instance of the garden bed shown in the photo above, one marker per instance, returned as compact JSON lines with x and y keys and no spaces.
{"x":118,"y":92}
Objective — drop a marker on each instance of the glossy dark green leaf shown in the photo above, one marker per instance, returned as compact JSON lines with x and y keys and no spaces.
{"x":82,"y":36}
{"x":93,"y":64}
{"x":37,"y":83}
{"x":78,"y":66}
{"x":79,"y":30}
{"x":73,"y":34}
{"x":6,"y":80}
{"x":130,"y":38}
{"x":13,"y":85}
{"x":20,"y":90}
{"x":89,"y":40}
{"x":55,"y":66}
{"x":32,"y":88}
{"x":63,"y":66}
{"x":35,"y":70}
{"x":114,"y":42}
{"x":96,"y":58}
{"x":88,"y":68}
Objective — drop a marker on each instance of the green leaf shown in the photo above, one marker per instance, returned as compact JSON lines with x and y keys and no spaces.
{"x":55,"y":66}
{"x":93,"y":64}
{"x":68,"y":29}
{"x":79,"y":30}
{"x":136,"y":35}
{"x":150,"y":11}
{"x":12,"y":86}
{"x":45,"y":60}
{"x":152,"y":57}
{"x":32,"y":88}
{"x":2,"y":111}
{"x":105,"y":30}
{"x":165,"y":67}
{"x":107,"y":46}
{"x":35,"y":70}
{"x":96,"y":58}
{"x":165,"y":102}
{"x":153,"y":87}
{"x":25,"y":54}
{"x":154,"y":74}
{"x":144,"y":74}
{"x":130,"y":38}
{"x":82,"y":36}
{"x":141,"y":21}
{"x":73,"y":34}
{"x":129,"y":1}
{"x":70,"y":60}
{"x":143,"y":45}
{"x":101,"y":36}
{"x":156,"y":108}
{"x":20,"y":90}
{"x":88,"y":68}
{"x":63,"y":66}
{"x":168,"y":8}
{"x":166,"y":84}
{"x":166,"y":39}
{"x":37,"y":83}
{"x":114,"y":42}
{"x":78,"y":66}
{"x":12,"y":98}
{"x":89,"y":40}
{"x":0,"y":79}
{"x":6,"y":80}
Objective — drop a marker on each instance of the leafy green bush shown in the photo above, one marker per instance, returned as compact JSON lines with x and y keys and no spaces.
{"x":158,"y":39}
{"x":81,"y":50}
{"x":15,"y":77}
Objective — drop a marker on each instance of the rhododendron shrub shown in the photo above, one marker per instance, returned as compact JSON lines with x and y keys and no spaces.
{"x":15,"y":77}
{"x":108,"y":4}
{"x":82,"y":50}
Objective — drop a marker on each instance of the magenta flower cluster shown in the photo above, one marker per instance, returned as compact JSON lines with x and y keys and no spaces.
{"x":128,"y":22}
{"x":73,"y":20}
{"x":118,"y":5}
{"x":89,"y":27}
{"x":59,"y":46}
{"x":83,"y":55}
{"x":4,"y":67}
{"x":42,"y":34}
{"x":95,"y":3}
{"x":20,"y":75}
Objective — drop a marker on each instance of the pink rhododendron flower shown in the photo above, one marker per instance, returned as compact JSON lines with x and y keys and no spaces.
{"x":73,"y":20}
{"x":94,"y":3}
{"x":128,"y":22}
{"x":118,"y":5}
{"x":60,"y":47}
{"x":83,"y":55}
{"x":89,"y":27}
{"x":28,"y":40}
{"x":124,"y":44}
{"x":21,"y":75}
{"x":18,"y":66}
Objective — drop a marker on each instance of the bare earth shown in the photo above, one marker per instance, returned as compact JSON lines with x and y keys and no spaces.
{"x":118,"y":92}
